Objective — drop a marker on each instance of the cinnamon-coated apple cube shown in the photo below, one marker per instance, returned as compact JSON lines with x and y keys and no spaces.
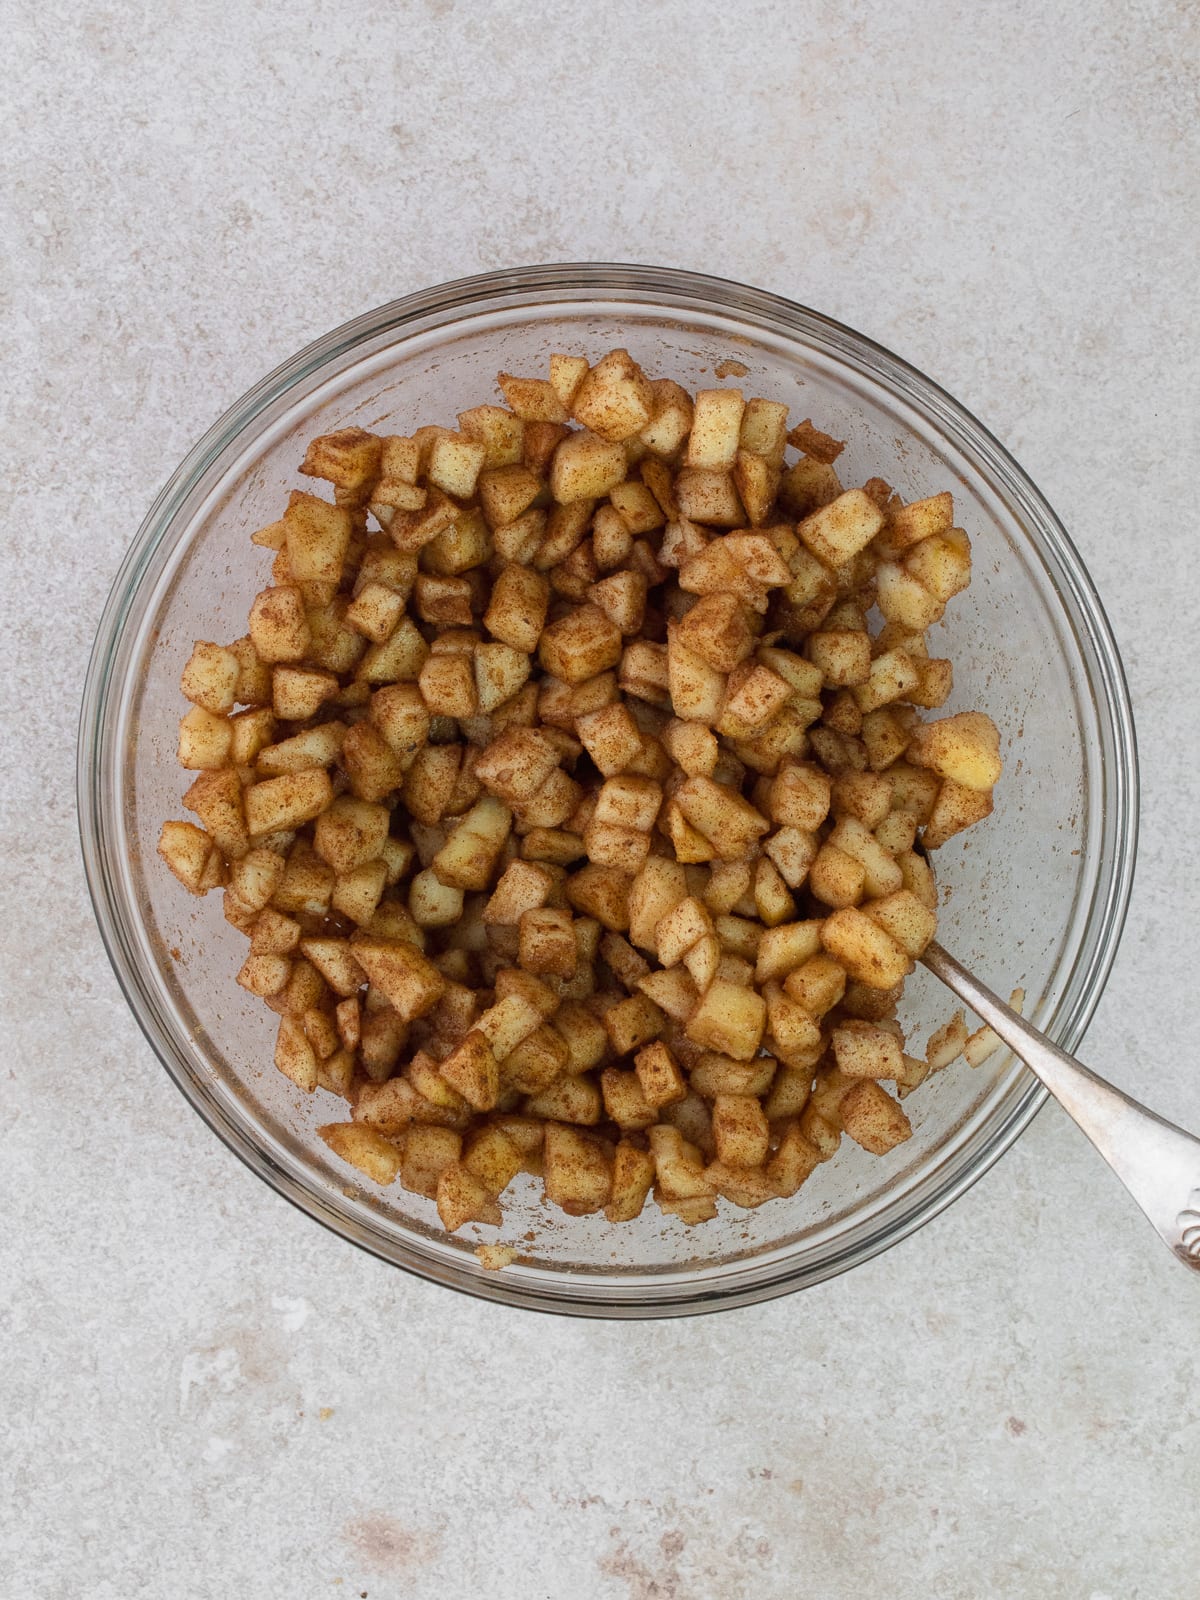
{"x":614,"y":398}
{"x":578,"y":1172}
{"x":566,"y":374}
{"x":672,"y":990}
{"x":372,"y":765}
{"x":580,"y":645}
{"x":902,"y":599}
{"x":508,"y":1023}
{"x":455,"y":463}
{"x":410,"y":982}
{"x":398,"y":659}
{"x":622,"y":598}
{"x":817,"y":984}
{"x":375,"y":612}
{"x":784,"y":948}
{"x":884,"y":737}
{"x":472,"y":1071}
{"x":506,"y":492}
{"x":428,"y":1150}
{"x":287,"y":802}
{"x":696,"y":687}
{"x":843,"y":656}
{"x":863,"y":1050}
{"x":462,"y":1198}
{"x":659,"y":885}
{"x":517,"y":763}
{"x":793,"y":851}
{"x":941,"y":564}
{"x":523,"y":886}
{"x":881,"y":875}
{"x":191,"y":855}
{"x":494,"y":1156}
{"x":866,"y":796}
{"x":433,"y":903}
{"x":764,"y":429}
{"x":500,"y":671}
{"x":294,"y":1055}
{"x":691,"y":747}
{"x":501,"y":434}
{"x":716,"y":428}
{"x":645,"y":672}
{"x":909,"y":922}
{"x":611,"y":737}
{"x":800,"y":796}
{"x":555,"y":802}
{"x":679,"y":1164}
{"x":670,"y":418}
{"x":376,"y":1157}
{"x":632,"y":1176}
{"x":914,"y":790}
{"x":727,"y":820}
{"x":216,"y":798}
{"x":709,"y":496}
{"x":757,"y":483}
{"x":205,"y":740}
{"x":278,"y":625}
{"x":687,"y":922}
{"x":298,"y":693}
{"x":659,"y":1075}
{"x":547,"y":942}
{"x":957,"y":807}
{"x":790,"y":1092}
{"x":350,"y":459}
{"x":610,"y":845}
{"x":357,"y":893}
{"x":837,"y":531}
{"x":719,"y":628}
{"x":893,"y":676}
{"x":601,"y":892}
{"x":516,"y":612}
{"x":210,"y":678}
{"x":753,"y":695}
{"x":864,"y":949}
{"x":625,"y":1102}
{"x":469,"y":855}
{"x":921,"y":519}
{"x":729,"y":1018}
{"x":740,"y":1130}
{"x":794,"y":1161}
{"x":964,"y":748}
{"x":629,"y":802}
{"x":443,"y":601}
{"x":466,"y":543}
{"x":632,"y":1023}
{"x":585,"y":467}
{"x":317,"y":539}
{"x":873,"y":1119}
{"x":715,"y":1074}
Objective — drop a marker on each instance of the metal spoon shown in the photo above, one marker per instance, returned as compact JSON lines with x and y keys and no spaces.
{"x":1156,"y":1161}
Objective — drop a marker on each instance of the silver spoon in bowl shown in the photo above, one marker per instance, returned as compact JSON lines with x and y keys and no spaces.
{"x":1156,"y":1161}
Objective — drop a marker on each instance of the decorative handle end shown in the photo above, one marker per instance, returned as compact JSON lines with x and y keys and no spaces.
{"x":1188,"y":1224}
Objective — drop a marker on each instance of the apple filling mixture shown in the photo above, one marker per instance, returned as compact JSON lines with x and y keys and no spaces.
{"x":574,"y":785}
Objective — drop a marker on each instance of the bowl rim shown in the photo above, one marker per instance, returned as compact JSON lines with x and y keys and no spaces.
{"x":638,"y":283}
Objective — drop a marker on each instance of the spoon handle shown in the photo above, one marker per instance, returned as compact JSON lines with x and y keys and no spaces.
{"x":1156,"y":1161}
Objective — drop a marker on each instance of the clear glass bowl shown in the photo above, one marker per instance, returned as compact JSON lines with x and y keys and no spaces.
{"x":1036,"y":896}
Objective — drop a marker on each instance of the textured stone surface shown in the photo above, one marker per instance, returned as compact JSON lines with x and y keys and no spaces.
{"x":203,"y":1393}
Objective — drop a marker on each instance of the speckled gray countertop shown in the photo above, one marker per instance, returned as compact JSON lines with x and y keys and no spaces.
{"x":204,"y":1394}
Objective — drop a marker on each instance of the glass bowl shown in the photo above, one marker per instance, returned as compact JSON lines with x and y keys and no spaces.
{"x":1036,"y":896}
